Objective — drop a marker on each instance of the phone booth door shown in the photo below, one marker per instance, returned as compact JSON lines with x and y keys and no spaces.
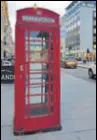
{"x":39,"y":98}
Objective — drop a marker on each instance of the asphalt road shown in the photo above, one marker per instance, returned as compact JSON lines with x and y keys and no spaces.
{"x":80,"y":73}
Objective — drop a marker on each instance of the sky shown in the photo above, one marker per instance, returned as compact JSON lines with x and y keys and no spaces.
{"x":56,"y":6}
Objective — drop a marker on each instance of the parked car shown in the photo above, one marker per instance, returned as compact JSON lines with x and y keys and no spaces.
{"x":70,"y":62}
{"x":6,"y":63}
{"x":92,"y":70}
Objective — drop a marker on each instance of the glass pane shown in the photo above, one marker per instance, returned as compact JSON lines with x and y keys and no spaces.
{"x":38,"y":67}
{"x":42,"y":88}
{"x":26,"y":90}
{"x":39,"y":111}
{"x":37,"y":90}
{"x":26,"y":56}
{"x":51,"y":46}
{"x":38,"y":54}
{"x":26,"y":48}
{"x":38,"y":45}
{"x":36,"y":99}
{"x":51,"y":36}
{"x":26,"y":35}
{"x":51,"y":99}
{"x":51,"y":67}
{"x":51,"y":87}
{"x":26,"y":100}
{"x":51,"y":57}
{"x":51,"y":77}
{"x":39,"y":35}
{"x":37,"y":80}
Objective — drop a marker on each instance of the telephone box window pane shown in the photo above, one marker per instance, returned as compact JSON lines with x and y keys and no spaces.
{"x":38,"y":55}
{"x":51,"y":57}
{"x":26,"y":35}
{"x":38,"y":46}
{"x":36,"y":99}
{"x":44,"y":55}
{"x":37,"y":80}
{"x":26,"y":42}
{"x":51,"y":99}
{"x":26,"y":56}
{"x":51,"y":67}
{"x":35,"y":56}
{"x":26,"y":45}
{"x":51,"y":46}
{"x":26,"y":90}
{"x":26,"y":100}
{"x":38,"y":89}
{"x":39,"y":111}
{"x":26,"y":79}
{"x":51,"y":87}
{"x":51,"y":77}
{"x":39,"y":35}
{"x":38,"y":67}
{"x":26,"y":48}
{"x":51,"y":36}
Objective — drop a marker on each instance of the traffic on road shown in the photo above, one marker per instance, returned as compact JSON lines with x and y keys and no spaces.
{"x":79,"y":69}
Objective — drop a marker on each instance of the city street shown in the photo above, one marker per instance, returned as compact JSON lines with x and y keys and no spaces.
{"x":78,"y":110}
{"x":80,"y":73}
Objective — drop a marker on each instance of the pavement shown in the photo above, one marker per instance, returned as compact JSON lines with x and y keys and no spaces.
{"x":78,"y":111}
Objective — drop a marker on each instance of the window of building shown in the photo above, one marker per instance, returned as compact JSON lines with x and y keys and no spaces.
{"x":94,"y":39}
{"x":83,"y":4}
{"x":75,"y":25}
{"x":75,"y":17}
{"x":72,"y":27}
{"x":79,"y":2}
{"x":94,"y":31}
{"x":78,"y":16}
{"x":94,"y":22}
{"x":94,"y":14}
{"x":78,"y":23}
{"x":71,"y":20}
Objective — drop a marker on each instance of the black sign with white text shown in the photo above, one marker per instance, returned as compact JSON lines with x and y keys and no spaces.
{"x":7,"y":74}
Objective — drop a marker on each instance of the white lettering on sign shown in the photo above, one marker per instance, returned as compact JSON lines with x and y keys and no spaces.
{"x":7,"y":77}
{"x":38,"y":19}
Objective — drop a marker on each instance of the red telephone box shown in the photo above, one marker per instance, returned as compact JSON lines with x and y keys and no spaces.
{"x":37,"y":71}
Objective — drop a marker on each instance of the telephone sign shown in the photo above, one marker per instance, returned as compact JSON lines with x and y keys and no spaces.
{"x":38,"y":19}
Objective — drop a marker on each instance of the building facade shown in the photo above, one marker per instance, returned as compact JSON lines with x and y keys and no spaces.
{"x":79,"y":25}
{"x":94,"y":30}
{"x":63,"y":35}
{"x":6,"y":33}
